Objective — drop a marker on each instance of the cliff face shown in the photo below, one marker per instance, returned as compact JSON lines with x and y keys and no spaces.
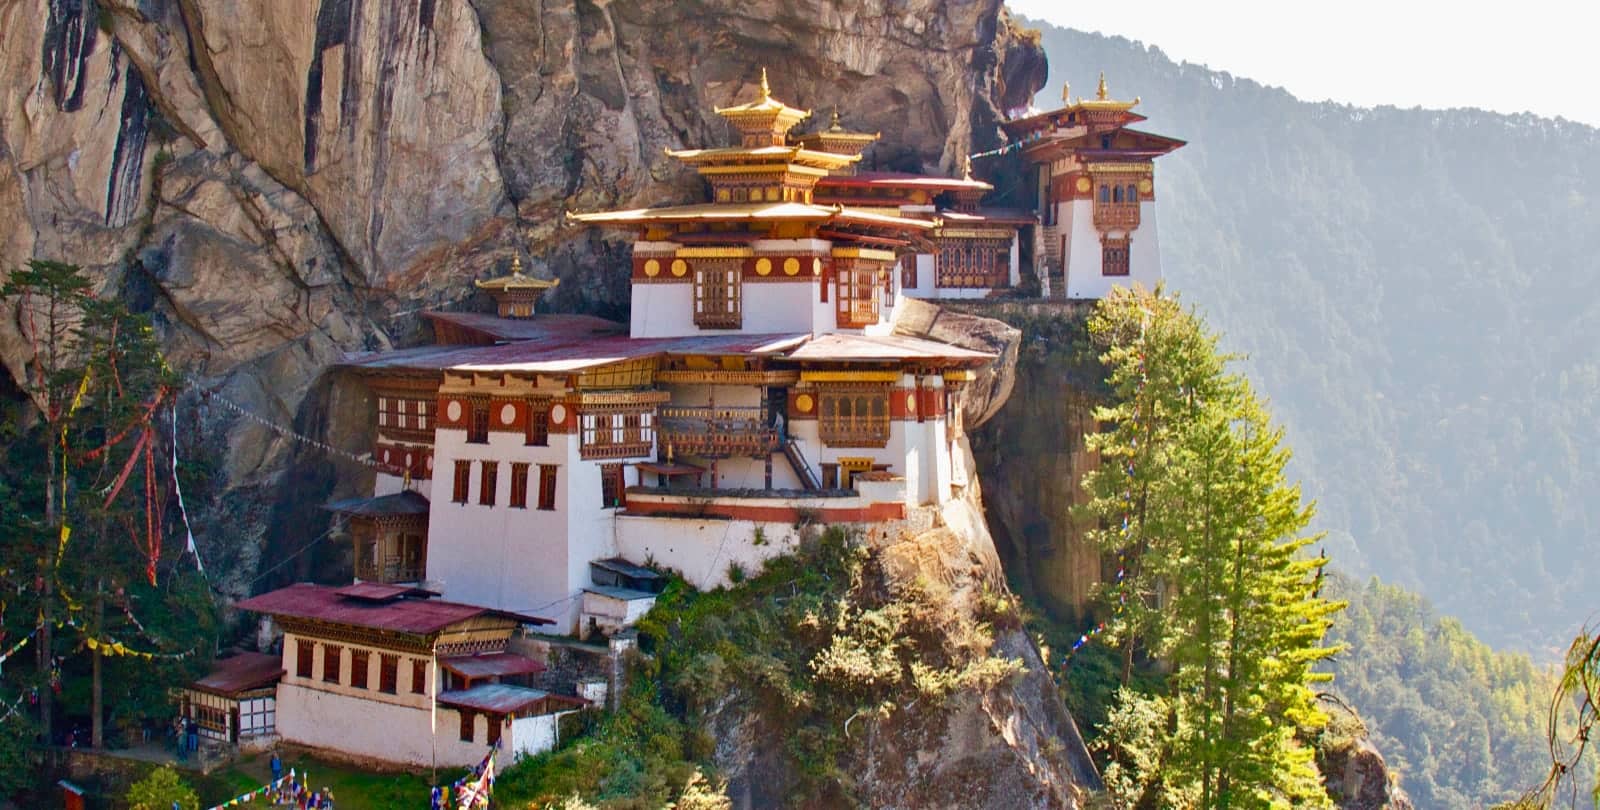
{"x":278,"y":182}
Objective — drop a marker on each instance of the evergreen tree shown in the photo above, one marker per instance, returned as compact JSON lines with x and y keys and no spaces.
{"x":1210,"y":536}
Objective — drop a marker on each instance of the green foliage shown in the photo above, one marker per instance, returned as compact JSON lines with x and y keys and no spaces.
{"x":17,"y":759}
{"x":1461,"y":723}
{"x":159,"y":790}
{"x":814,"y":647}
{"x":1191,"y":489}
{"x":1417,"y":293}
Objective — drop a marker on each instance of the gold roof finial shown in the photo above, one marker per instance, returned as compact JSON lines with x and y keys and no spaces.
{"x":1102,"y":93}
{"x":966,"y":167}
{"x":1066,"y":91}
{"x":766,"y":89}
{"x":837,"y":127}
{"x":516,"y":265}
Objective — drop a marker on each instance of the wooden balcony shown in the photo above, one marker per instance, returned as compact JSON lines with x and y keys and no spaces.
{"x":1116,"y":216}
{"x":740,"y":432}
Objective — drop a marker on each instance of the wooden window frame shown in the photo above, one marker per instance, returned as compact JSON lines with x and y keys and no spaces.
{"x":388,"y":674}
{"x":469,"y":725}
{"x":1116,"y":256}
{"x":537,"y":433}
{"x":616,"y":432}
{"x":478,"y":422}
{"x":979,"y":263}
{"x":495,"y":725}
{"x":332,"y":653}
{"x":857,"y":298}
{"x":419,"y":676}
{"x":488,"y":482}
{"x":718,"y":293}
{"x":360,"y":668}
{"x":304,"y":657}
{"x":612,"y":485}
{"x":547,"y":486}
{"x":519,"y":485}
{"x":908,"y":271}
{"x":840,"y":425}
{"x":462,"y":482}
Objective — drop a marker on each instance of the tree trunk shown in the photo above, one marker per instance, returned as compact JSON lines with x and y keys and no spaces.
{"x":97,"y":692}
{"x":48,"y":603}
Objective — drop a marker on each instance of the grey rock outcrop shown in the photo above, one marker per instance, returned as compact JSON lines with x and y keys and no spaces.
{"x":280,"y":182}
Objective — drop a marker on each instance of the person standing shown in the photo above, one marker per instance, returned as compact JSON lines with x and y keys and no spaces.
{"x":194,"y":735}
{"x":277,"y":767}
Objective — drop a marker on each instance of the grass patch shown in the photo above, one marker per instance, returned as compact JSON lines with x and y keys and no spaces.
{"x":353,"y":788}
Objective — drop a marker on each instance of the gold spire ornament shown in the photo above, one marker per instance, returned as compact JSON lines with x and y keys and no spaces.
{"x":1066,"y":92}
{"x":766,"y":90}
{"x":837,"y":127}
{"x":1101,"y":93}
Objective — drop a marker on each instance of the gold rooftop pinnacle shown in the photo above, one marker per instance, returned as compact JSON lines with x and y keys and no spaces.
{"x":1101,"y":93}
{"x":1066,"y":93}
{"x":766,"y":90}
{"x":1102,"y":100}
{"x":765,"y":122}
{"x":836,"y":127}
{"x":515,"y":294}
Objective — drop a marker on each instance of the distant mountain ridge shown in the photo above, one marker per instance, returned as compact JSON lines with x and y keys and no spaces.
{"x":1418,"y":292}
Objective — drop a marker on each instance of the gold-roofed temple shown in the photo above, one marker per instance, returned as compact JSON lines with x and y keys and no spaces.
{"x":515,"y":294}
{"x":838,"y":140}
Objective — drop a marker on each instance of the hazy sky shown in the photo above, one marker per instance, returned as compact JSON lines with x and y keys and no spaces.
{"x":1541,"y":56}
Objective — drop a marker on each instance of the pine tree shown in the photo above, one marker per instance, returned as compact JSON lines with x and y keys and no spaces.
{"x":1217,"y":583}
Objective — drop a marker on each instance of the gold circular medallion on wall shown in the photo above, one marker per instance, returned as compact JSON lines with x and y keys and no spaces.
{"x":763,"y":266}
{"x":816,"y":267}
{"x":911,"y":402}
{"x":1084,"y":184}
{"x":652,"y":268}
{"x":679,"y":267}
{"x":791,"y":266}
{"x":803,"y":403}
{"x":1145,"y":186}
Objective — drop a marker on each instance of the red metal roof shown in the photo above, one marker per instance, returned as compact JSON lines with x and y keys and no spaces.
{"x":491,"y":665}
{"x":241,"y":673}
{"x":381,"y":592}
{"x":535,"y":328}
{"x":406,"y":615}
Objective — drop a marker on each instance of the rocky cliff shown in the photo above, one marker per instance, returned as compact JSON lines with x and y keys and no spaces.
{"x":279,"y":182}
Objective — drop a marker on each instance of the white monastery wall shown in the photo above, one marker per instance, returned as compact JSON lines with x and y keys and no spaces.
{"x":1084,"y":279}
{"x":702,"y":549}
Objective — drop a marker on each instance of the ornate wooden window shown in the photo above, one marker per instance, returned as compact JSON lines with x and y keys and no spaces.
{"x":854,"y":414}
{"x":1116,"y":207}
{"x":388,"y":673}
{"x":538,"y":433}
{"x":886,"y":282}
{"x":495,"y":724}
{"x":405,"y":418}
{"x":617,"y":432}
{"x":547,"y":486}
{"x":611,"y":486}
{"x":468,"y":725}
{"x":489,"y":480}
{"x":717,"y":285}
{"x":462,"y":480}
{"x":519,"y":485}
{"x":908,"y":271}
{"x":1114,"y":256}
{"x":857,"y":296}
{"x":303,"y":651}
{"x":332,"y":655}
{"x":358,"y":668}
{"x":478,"y":427}
{"x":972,"y":263}
{"x":419,"y":676}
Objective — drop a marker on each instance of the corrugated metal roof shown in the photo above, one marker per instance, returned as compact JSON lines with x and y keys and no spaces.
{"x":493,"y":698}
{"x":491,"y":665}
{"x":241,"y":673}
{"x":869,"y":348}
{"x":405,"y":502}
{"x":617,"y":565}
{"x":407,"y":615}
{"x":900,"y":180}
{"x":535,"y":328}
{"x":571,"y":353}
{"x":625,"y":594}
{"x":382,"y":592}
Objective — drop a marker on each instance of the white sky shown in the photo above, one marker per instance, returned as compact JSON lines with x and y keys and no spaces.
{"x":1540,"y":56}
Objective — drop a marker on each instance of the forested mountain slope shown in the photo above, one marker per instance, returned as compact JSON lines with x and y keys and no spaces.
{"x":1417,"y":293}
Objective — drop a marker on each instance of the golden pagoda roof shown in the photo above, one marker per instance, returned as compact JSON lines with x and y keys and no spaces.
{"x":1102,"y":99}
{"x":763,"y":154}
{"x":516,"y":280}
{"x":836,"y":133}
{"x":765,"y":108}
{"x":751,"y":212}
